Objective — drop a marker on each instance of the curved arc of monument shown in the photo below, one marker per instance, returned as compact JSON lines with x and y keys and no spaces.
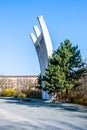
{"x":41,"y":56}
{"x":43,"y":46}
{"x":41,"y":62}
{"x":46,"y":36}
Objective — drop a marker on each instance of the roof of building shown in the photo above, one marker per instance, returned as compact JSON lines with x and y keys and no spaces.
{"x":11,"y":76}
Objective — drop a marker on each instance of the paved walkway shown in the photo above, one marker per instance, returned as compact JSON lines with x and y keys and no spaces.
{"x":17,"y":115}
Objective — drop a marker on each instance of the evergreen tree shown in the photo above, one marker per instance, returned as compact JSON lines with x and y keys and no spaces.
{"x":65,"y":68}
{"x":39,"y":82}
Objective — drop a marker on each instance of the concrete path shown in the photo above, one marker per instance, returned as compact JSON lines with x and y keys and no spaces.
{"x":17,"y":115}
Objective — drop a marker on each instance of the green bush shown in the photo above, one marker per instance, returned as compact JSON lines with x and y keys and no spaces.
{"x":77,"y":100}
{"x":28,"y":93}
{"x":21,"y":95}
{"x":8,"y":92}
{"x":85,"y":101}
{"x":33,"y":94}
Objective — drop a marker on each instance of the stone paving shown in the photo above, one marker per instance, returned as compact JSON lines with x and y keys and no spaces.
{"x":39,"y":115}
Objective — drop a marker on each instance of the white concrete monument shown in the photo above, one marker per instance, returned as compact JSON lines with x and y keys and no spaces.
{"x":43,"y":45}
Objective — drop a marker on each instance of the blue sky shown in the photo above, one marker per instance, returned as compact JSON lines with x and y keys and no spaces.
{"x":64,"y":19}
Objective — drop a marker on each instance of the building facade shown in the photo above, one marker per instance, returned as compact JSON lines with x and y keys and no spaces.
{"x":18,"y":82}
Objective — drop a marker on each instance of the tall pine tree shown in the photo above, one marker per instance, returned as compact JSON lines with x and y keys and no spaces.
{"x":65,"y":68}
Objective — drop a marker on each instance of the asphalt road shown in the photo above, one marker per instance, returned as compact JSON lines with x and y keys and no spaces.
{"x":36,"y":115}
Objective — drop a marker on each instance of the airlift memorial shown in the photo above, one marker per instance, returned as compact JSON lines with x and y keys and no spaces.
{"x":44,"y":49}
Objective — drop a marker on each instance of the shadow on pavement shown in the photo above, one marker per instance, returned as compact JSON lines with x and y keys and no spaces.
{"x":41,"y":123}
{"x":42,"y":103}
